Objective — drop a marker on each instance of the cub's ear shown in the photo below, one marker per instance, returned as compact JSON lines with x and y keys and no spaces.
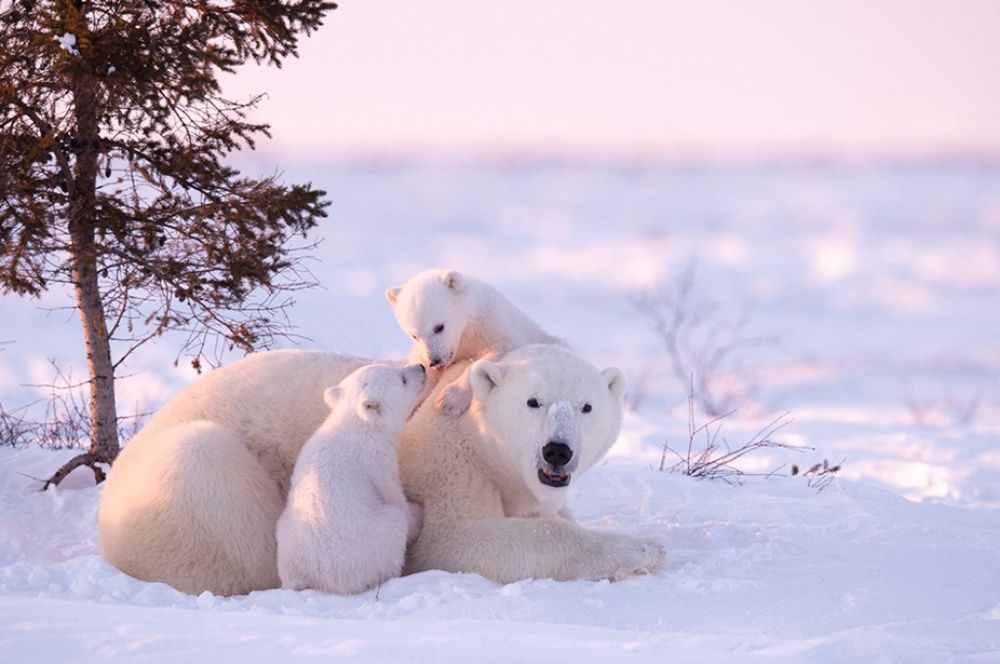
{"x":369,"y":409}
{"x":332,"y":395}
{"x":454,"y":280}
{"x":615,"y":381}
{"x":484,"y":376}
{"x":392,"y":294}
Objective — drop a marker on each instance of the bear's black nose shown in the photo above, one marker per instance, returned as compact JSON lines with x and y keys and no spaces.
{"x":558,"y":454}
{"x":435,"y":361}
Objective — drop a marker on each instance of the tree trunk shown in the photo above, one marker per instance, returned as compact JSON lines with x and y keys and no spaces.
{"x":83,"y":256}
{"x":103,"y":411}
{"x":83,"y":213}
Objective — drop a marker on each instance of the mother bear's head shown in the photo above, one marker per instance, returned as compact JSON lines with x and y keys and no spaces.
{"x":547,"y":413}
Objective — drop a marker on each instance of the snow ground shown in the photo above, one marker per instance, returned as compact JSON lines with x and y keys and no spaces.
{"x":881,"y":285}
{"x":769,"y":571}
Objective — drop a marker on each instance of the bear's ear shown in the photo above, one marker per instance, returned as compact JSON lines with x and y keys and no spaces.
{"x":369,"y":409}
{"x":615,"y":381}
{"x":332,"y":395}
{"x":484,"y":376}
{"x":392,"y":294}
{"x":454,"y":280}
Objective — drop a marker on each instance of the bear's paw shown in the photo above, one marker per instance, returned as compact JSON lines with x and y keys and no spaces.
{"x":454,"y":400}
{"x":635,"y":556}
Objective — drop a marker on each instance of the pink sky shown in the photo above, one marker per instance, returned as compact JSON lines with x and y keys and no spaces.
{"x":641,"y":77}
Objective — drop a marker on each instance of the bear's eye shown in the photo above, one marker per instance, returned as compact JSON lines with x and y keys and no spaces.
{"x":414,"y":337}
{"x":533,"y":403}
{"x":403,"y":378}
{"x":587,"y":408}
{"x":439,"y":328}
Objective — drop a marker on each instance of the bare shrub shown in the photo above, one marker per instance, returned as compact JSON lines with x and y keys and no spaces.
{"x":699,"y":342}
{"x":14,"y":428}
{"x":638,"y":388}
{"x":821,"y":474}
{"x":710,"y":456}
{"x":60,"y":420}
{"x":958,"y":410}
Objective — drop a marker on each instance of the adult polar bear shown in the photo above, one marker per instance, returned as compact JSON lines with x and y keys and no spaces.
{"x":193,"y":500}
{"x":492,"y":482}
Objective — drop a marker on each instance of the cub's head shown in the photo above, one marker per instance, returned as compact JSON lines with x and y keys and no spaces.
{"x":433,"y":309}
{"x":380,"y":394}
{"x":548,"y":414}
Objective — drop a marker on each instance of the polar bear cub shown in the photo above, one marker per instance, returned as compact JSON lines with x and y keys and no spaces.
{"x":453,"y":317}
{"x":346,"y":523}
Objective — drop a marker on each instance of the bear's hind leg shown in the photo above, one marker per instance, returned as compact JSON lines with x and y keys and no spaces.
{"x":192,"y":507}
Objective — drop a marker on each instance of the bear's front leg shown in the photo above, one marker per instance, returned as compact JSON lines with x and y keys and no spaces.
{"x":508,"y":549}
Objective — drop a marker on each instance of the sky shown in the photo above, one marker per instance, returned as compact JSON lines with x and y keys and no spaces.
{"x":680,"y":78}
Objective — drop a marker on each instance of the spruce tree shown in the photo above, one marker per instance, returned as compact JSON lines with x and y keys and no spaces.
{"x":113,"y":134}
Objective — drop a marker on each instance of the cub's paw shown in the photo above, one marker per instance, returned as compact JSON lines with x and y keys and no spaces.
{"x":453,"y":400}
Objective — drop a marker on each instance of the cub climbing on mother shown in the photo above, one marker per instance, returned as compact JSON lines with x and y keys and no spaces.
{"x":452,"y":317}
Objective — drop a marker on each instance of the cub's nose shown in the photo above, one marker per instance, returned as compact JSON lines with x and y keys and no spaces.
{"x":558,"y":454}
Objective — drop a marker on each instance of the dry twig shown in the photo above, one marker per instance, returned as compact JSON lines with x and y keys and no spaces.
{"x":716,"y":458}
{"x":820,"y":474}
{"x":699,"y":343}
{"x":62,"y":420}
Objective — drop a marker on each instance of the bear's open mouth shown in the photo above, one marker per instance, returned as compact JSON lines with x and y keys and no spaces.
{"x":556,"y":478}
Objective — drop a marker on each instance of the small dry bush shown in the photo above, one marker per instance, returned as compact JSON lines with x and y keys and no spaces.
{"x":709,"y":455}
{"x":700,"y":341}
{"x":820,"y":474}
{"x":59,"y":420}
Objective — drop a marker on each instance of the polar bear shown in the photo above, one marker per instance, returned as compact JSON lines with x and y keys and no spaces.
{"x":452,"y":317}
{"x":492,"y":482}
{"x":194,"y":498}
{"x":346,"y":523}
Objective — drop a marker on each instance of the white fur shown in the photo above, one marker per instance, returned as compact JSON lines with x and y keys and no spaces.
{"x":345,"y":525}
{"x":193,"y":500}
{"x":478,"y":322}
{"x":477,"y":476}
{"x":194,"y":497}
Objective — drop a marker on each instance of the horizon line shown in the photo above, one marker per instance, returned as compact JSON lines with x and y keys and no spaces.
{"x":987,"y":159}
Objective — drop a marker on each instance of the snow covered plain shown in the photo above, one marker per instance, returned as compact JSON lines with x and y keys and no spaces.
{"x":881,"y":286}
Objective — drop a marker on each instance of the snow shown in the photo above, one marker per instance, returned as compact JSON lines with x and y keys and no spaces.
{"x":768,"y":570}
{"x":879,"y":283}
{"x":67,"y":42}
